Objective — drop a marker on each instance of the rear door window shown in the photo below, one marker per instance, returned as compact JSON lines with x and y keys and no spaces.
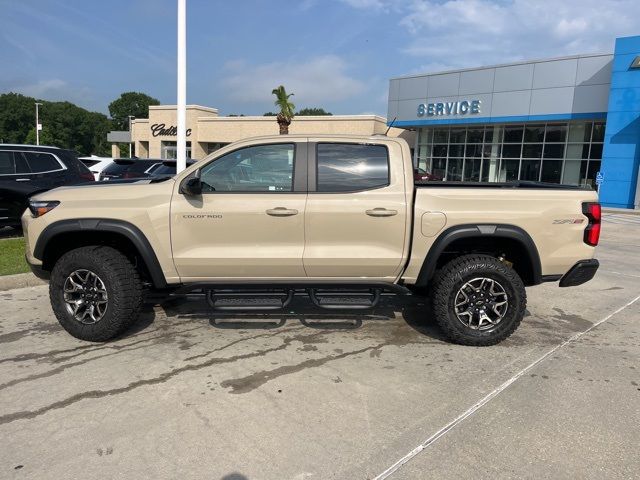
{"x":7,"y":165}
{"x":41,"y":162}
{"x":22,"y":167}
{"x":344,"y":167}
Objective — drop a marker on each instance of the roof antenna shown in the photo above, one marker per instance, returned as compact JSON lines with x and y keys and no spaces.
{"x":390,"y":125}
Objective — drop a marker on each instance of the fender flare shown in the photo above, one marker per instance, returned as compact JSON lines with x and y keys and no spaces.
{"x":126,"y":229}
{"x":480,"y":230}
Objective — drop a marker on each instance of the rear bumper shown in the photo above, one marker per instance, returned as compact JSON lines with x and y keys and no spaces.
{"x":580,"y":273}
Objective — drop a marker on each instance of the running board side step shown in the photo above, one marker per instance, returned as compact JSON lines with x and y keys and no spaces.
{"x":329,"y":299}
{"x":227,"y":300}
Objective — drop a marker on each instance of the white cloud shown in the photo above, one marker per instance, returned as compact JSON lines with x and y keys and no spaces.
{"x":318,"y":81}
{"x":465,"y":33}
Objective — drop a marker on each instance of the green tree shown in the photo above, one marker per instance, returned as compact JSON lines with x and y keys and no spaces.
{"x":285,"y":115}
{"x":130,"y":103}
{"x":46,"y":138}
{"x":270,"y":114}
{"x":65,"y":125}
{"x":313,"y":111}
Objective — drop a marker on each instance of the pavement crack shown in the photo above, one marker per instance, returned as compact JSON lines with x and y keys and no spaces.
{"x":96,"y":394}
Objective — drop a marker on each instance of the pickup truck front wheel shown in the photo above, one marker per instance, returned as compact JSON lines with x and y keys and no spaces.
{"x":95,"y":292}
{"x":478,"y":300}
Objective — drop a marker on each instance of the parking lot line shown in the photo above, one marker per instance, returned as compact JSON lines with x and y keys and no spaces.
{"x":486,"y":399}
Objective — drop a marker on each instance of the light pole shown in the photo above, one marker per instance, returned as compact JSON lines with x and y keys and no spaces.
{"x":131,"y":117}
{"x":181,"y":157}
{"x":38,"y":126}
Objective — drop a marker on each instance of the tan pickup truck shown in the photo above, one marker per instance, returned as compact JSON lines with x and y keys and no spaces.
{"x":338,"y":218}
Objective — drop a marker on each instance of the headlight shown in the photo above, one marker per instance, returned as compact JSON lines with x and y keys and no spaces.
{"x":40,"y":208}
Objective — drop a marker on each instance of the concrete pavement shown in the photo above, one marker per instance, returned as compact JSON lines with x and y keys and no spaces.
{"x":310,"y":394}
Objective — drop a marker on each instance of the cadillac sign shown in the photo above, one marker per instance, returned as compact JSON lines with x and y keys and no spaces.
{"x":465,"y":107}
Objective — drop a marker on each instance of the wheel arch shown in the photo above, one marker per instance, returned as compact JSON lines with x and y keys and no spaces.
{"x":484,"y":238}
{"x":60,"y":237}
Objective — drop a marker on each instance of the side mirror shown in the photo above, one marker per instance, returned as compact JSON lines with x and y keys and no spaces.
{"x":192,"y":186}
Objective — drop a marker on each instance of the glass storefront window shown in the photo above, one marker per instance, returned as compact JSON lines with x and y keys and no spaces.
{"x":598,"y":132}
{"x":454,"y":170}
{"x":456,"y":150}
{"x":473,"y":151}
{"x":567,"y":152}
{"x":509,"y":170}
{"x":574,"y":171}
{"x":474,"y":135}
{"x":511,"y":151}
{"x":457,"y":135}
{"x":513,"y":134}
{"x":534,"y":133}
{"x":441,"y":135}
{"x":554,"y":150}
{"x":551,"y":171}
{"x":439,"y":167}
{"x":440,"y":150}
{"x":596,"y":151}
{"x":580,"y":132}
{"x":472,"y":168}
{"x":530,"y":170}
{"x":556,"y":133}
{"x":532,"y":150}
{"x":577,"y":150}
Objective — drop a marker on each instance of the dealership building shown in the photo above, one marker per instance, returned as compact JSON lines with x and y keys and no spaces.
{"x":155,"y":136}
{"x":572,"y":120}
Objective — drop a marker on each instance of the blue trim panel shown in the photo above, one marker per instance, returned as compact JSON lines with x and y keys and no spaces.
{"x":508,"y":119}
{"x":621,"y":154}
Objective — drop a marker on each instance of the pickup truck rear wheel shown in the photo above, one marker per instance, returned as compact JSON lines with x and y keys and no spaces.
{"x":478,"y":300}
{"x":95,"y":292}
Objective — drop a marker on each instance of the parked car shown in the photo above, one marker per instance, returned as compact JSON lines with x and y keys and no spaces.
{"x":128,"y":168}
{"x":421,"y":175}
{"x":28,"y":169}
{"x":168,"y":167}
{"x":96,"y":164}
{"x":325,"y":215}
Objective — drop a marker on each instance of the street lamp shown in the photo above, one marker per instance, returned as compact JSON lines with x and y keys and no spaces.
{"x":131,"y":117}
{"x":181,"y":157}
{"x":38,"y":125}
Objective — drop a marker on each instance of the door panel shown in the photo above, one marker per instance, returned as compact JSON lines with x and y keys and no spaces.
{"x":355,"y":233}
{"x":249,"y":221}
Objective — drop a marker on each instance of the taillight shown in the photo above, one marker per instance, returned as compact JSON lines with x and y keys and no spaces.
{"x":88,"y":176}
{"x":594,"y":213}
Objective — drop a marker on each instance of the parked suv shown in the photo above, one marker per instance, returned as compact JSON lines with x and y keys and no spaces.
{"x":124,"y":168}
{"x":28,"y":169}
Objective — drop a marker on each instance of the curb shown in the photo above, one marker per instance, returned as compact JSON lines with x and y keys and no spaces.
{"x":21,"y":280}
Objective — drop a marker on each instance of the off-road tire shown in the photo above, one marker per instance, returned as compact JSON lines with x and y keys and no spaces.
{"x":461,"y":270}
{"x":123,"y":286}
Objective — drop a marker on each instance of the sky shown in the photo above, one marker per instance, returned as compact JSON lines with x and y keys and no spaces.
{"x":334,"y":54}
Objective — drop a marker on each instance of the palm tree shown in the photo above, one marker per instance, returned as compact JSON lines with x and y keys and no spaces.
{"x":285,"y":115}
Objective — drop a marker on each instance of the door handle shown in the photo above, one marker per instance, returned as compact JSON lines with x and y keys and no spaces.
{"x":23,"y":179}
{"x":282,"y":212}
{"x":381,"y":212}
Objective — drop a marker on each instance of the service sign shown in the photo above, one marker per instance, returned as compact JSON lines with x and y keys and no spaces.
{"x":436,"y":109}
